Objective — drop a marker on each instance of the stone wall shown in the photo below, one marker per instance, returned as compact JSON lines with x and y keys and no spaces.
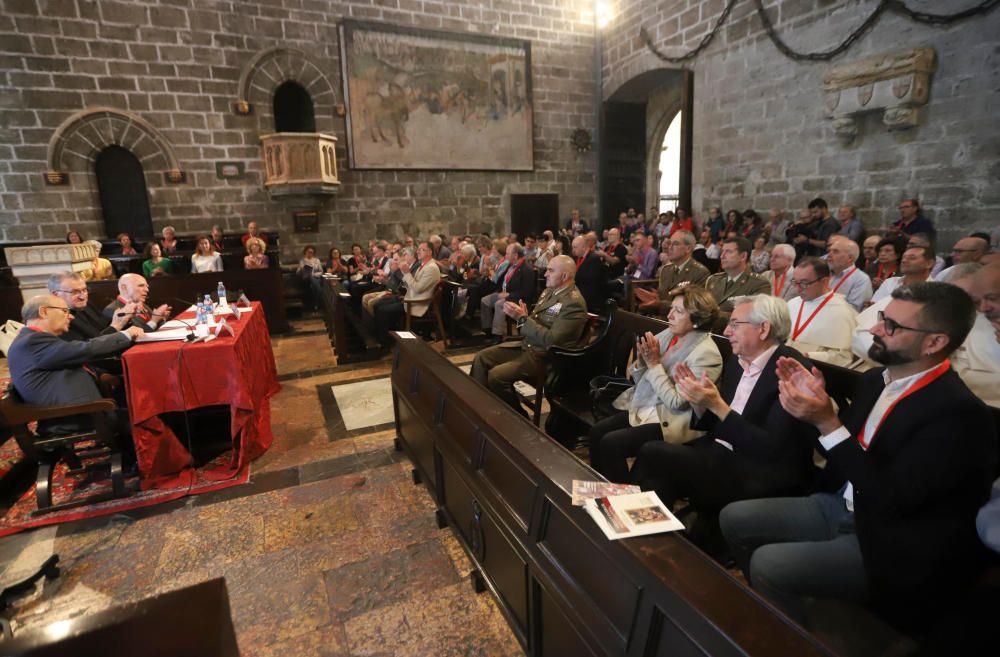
{"x":761,"y":136}
{"x":176,"y":64}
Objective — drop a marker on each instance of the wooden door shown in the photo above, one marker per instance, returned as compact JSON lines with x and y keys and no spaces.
{"x":530,"y":214}
{"x":122,"y":188}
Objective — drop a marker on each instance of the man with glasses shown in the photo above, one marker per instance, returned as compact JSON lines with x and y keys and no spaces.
{"x":822,"y":320}
{"x":915,"y":267}
{"x":679,"y":269}
{"x":911,"y":220}
{"x":913,"y":454}
{"x":87,"y":322}
{"x":967,"y":249}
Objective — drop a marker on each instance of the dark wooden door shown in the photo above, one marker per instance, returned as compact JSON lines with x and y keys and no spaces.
{"x":624,"y":152}
{"x":530,"y":214}
{"x":122,"y":187}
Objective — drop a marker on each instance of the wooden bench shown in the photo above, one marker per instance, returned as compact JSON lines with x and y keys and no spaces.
{"x":351,"y":340}
{"x":564,"y":589}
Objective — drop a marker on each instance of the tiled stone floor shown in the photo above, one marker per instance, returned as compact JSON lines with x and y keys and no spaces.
{"x":329,"y":550}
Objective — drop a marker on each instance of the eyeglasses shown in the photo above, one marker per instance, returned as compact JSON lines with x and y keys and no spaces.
{"x":65,"y":310}
{"x":964,"y":250}
{"x":892,"y":325}
{"x":803,"y":283}
{"x":733,"y":323}
{"x":82,"y":292}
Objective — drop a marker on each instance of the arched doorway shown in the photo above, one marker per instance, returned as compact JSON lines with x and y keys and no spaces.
{"x":669,"y":174}
{"x":121,"y":185}
{"x":293,"y":109}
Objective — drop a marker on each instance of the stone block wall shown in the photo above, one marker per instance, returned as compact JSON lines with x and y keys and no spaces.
{"x":176,"y":65}
{"x":761,"y":136}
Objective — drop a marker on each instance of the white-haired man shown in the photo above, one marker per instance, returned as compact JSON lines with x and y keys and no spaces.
{"x":132,"y":292}
{"x":845,"y":276}
{"x":779,"y":276}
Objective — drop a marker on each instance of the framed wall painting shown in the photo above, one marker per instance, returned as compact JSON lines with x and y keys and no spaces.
{"x":420,"y":99}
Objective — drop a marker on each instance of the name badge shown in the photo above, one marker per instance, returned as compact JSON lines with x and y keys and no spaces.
{"x":554,"y":309}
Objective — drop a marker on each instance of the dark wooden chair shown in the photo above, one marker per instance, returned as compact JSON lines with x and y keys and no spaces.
{"x":630,"y":300}
{"x":74,"y":448}
{"x":435,"y":313}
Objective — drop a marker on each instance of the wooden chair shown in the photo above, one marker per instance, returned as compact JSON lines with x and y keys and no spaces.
{"x":434,"y":315}
{"x":631,"y":303}
{"x":48,"y":451}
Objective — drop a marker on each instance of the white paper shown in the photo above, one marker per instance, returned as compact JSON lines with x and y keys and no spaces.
{"x":641,"y":514}
{"x":164,"y":336}
{"x":175,"y":324}
{"x":406,"y":335}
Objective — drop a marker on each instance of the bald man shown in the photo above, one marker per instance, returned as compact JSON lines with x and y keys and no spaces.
{"x":558,"y":319}
{"x":133,"y":289}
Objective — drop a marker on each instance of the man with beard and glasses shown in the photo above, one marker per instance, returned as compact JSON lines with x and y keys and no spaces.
{"x":914,"y":455}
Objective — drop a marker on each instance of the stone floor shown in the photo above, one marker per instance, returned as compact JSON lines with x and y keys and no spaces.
{"x":328,"y":550}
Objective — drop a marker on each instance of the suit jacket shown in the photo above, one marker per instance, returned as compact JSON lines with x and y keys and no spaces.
{"x":787,"y":292}
{"x":87,"y":324}
{"x":420,"y":287}
{"x":671,"y":276}
{"x":917,"y":489}
{"x":521,"y":286}
{"x":592,"y":281}
{"x":117,"y":304}
{"x":557,"y":319}
{"x":747,"y":284}
{"x":773,"y":450}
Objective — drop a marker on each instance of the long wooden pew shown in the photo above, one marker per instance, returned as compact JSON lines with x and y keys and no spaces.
{"x":504,"y":488}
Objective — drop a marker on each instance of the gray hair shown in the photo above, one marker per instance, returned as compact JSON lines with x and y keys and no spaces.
{"x":851,"y":246}
{"x":56,"y":280}
{"x":408,"y":251}
{"x":786,"y":250}
{"x":773,"y":310}
{"x":29,"y":310}
{"x":686,"y":236}
{"x":957,"y":272}
{"x":170,"y":228}
{"x":469,"y":251}
{"x":518,"y":249}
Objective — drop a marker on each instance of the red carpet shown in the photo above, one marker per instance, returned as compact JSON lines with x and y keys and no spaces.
{"x":19,"y":517}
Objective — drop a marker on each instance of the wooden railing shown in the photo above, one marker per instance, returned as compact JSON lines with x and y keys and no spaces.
{"x":300,"y":163}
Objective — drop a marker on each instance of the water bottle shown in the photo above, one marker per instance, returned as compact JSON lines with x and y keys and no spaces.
{"x":221,"y":292}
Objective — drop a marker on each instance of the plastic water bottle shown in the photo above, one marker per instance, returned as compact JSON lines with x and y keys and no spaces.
{"x":221,"y":292}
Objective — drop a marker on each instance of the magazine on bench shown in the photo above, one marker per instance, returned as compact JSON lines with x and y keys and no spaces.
{"x":625,"y":516}
{"x":585,"y":490}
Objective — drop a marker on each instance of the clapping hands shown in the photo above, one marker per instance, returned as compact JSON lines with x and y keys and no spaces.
{"x":515,"y":310}
{"x":701,"y":393}
{"x":803,"y":394}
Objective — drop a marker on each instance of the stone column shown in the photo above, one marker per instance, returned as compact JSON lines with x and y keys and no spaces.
{"x":32,"y":265}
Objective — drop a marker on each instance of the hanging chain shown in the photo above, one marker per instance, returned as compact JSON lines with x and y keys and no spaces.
{"x":898,"y":6}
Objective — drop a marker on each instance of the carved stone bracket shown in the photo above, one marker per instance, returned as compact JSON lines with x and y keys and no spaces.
{"x":896,"y":84}
{"x":32,"y":265}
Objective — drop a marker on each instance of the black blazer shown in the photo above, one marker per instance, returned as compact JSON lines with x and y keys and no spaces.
{"x":521,"y":286}
{"x":87,"y":324}
{"x":773,"y":449}
{"x":592,"y":281}
{"x":916,"y":493}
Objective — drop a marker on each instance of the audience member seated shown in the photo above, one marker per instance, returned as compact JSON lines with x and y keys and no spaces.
{"x":128,"y":249}
{"x":168,"y":244}
{"x":253,"y":230}
{"x":977,"y":361}
{"x":87,"y":322}
{"x":357,"y":263}
{"x":218,"y":239}
{"x":420,"y":283}
{"x":987,"y":291}
{"x":310,"y":272}
{"x":779,"y":276}
{"x":614,"y":255}
{"x":591,"y":272}
{"x":869,"y":254}
{"x":48,"y":371}
{"x":442,"y":253}
{"x":576,"y":225}
{"x":255,"y":257}
{"x":822,"y":321}
{"x":335,"y":264}
{"x":155,"y":264}
{"x":967,"y":249}
{"x":132,"y":292}
{"x":559,"y":318}
{"x":775,"y":229}
{"x":753,"y":447}
{"x":915,"y":454}
{"x":915,"y":267}
{"x":845,"y":277}
{"x":886,"y":263}
{"x":680,"y":269}
{"x":923,"y":239}
{"x":911,"y":220}
{"x":643,"y":258}
{"x":653,"y":409}
{"x":204,"y":258}
{"x":517,"y":284}
{"x":735,"y":279}
{"x":100,"y":268}
{"x":391,"y":282}
{"x":760,"y":257}
{"x":73,"y":237}
{"x":850,"y":226}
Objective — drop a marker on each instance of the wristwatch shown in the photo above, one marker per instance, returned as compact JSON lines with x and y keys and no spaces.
{"x":520,"y":321}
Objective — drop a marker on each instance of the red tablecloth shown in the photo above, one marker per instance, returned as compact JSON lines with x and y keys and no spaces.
{"x":176,"y":376}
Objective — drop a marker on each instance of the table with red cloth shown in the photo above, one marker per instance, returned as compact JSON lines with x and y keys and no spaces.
{"x":236,"y":371}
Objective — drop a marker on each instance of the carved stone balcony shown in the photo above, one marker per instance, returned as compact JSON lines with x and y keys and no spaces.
{"x":300,"y":163}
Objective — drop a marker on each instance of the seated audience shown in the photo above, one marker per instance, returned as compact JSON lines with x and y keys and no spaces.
{"x":760,"y":257}
{"x":775,"y":229}
{"x":614,"y":254}
{"x":253,"y":230}
{"x":204,"y":258}
{"x":922,"y":239}
{"x":886,"y":263}
{"x":73,"y":237}
{"x":643,"y":258}
{"x":911,"y":220}
{"x":391,"y":282}
{"x":914,"y":454}
{"x":915,"y":267}
{"x":421,"y":278}
{"x":850,"y":226}
{"x":869,"y":254}
{"x":132,"y":292}
{"x":987,"y":291}
{"x":591,"y":272}
{"x":977,"y":361}
{"x":357,"y":264}
{"x":335,"y":264}
{"x":822,"y":321}
{"x":653,"y":409}
{"x":967,"y":249}
{"x":155,"y":264}
{"x":735,"y":279}
{"x":127,"y":247}
{"x":559,"y":318}
{"x":310,"y":272}
{"x":442,"y":253}
{"x":753,"y":447}
{"x":845,"y":277}
{"x":576,"y":225}
{"x":680,"y":269}
{"x":218,"y":243}
{"x":86,"y":321}
{"x":100,"y":268}
{"x":779,"y":275}
{"x":255,"y":257}
{"x":168,"y":244}
{"x":681,"y":221}
{"x":517,"y":284}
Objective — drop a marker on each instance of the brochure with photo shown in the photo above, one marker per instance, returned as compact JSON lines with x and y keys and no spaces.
{"x":637,"y":514}
{"x":586,"y":490}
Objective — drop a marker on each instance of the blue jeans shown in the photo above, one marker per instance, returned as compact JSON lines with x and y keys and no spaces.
{"x":791,"y":548}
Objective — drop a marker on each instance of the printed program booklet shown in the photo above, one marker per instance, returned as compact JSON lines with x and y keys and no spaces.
{"x":638,"y":514}
{"x":585,"y":490}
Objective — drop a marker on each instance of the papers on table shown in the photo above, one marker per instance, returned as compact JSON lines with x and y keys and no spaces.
{"x":406,"y":335}
{"x":175,"y":324}
{"x":165,"y":335}
{"x":586,"y":490}
{"x":638,"y":514}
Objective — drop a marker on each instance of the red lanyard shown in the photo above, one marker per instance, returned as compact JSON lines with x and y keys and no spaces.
{"x":779,"y":284}
{"x":878,"y":274}
{"x":510,"y":272}
{"x":922,"y":382}
{"x":579,"y":261}
{"x":837,"y":287}
{"x":798,"y":330}
{"x":673,"y":341}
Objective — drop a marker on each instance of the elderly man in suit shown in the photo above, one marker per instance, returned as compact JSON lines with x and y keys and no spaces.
{"x":48,"y":371}
{"x":87,"y":322}
{"x":679,"y":269}
{"x":516,"y":284}
{"x":132,"y":292}
{"x":735,"y":279}
{"x":421,"y":278}
{"x":559,"y":318}
{"x":913,"y":454}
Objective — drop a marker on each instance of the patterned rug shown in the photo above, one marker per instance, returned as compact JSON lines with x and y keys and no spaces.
{"x":18,"y":514}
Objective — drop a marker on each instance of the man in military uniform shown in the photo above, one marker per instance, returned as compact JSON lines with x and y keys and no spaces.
{"x":680,"y":269}
{"x":559,"y":318}
{"x":735,"y":279}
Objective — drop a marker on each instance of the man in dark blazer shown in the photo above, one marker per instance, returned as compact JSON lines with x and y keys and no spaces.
{"x":591,"y":272}
{"x":753,"y":447}
{"x":516,"y":284}
{"x":48,"y":371}
{"x":132,"y":292}
{"x":87,"y":321}
{"x":915,"y":454}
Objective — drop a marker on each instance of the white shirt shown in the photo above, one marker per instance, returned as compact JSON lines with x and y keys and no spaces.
{"x":893,"y":390}
{"x":751,"y":373}
{"x":885,"y":290}
{"x":861,"y":340}
{"x":977,"y":362}
{"x":201,"y":264}
{"x":857,"y":288}
{"x":828,"y":336}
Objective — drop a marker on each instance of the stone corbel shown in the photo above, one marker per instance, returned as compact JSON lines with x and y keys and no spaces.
{"x":896,"y":84}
